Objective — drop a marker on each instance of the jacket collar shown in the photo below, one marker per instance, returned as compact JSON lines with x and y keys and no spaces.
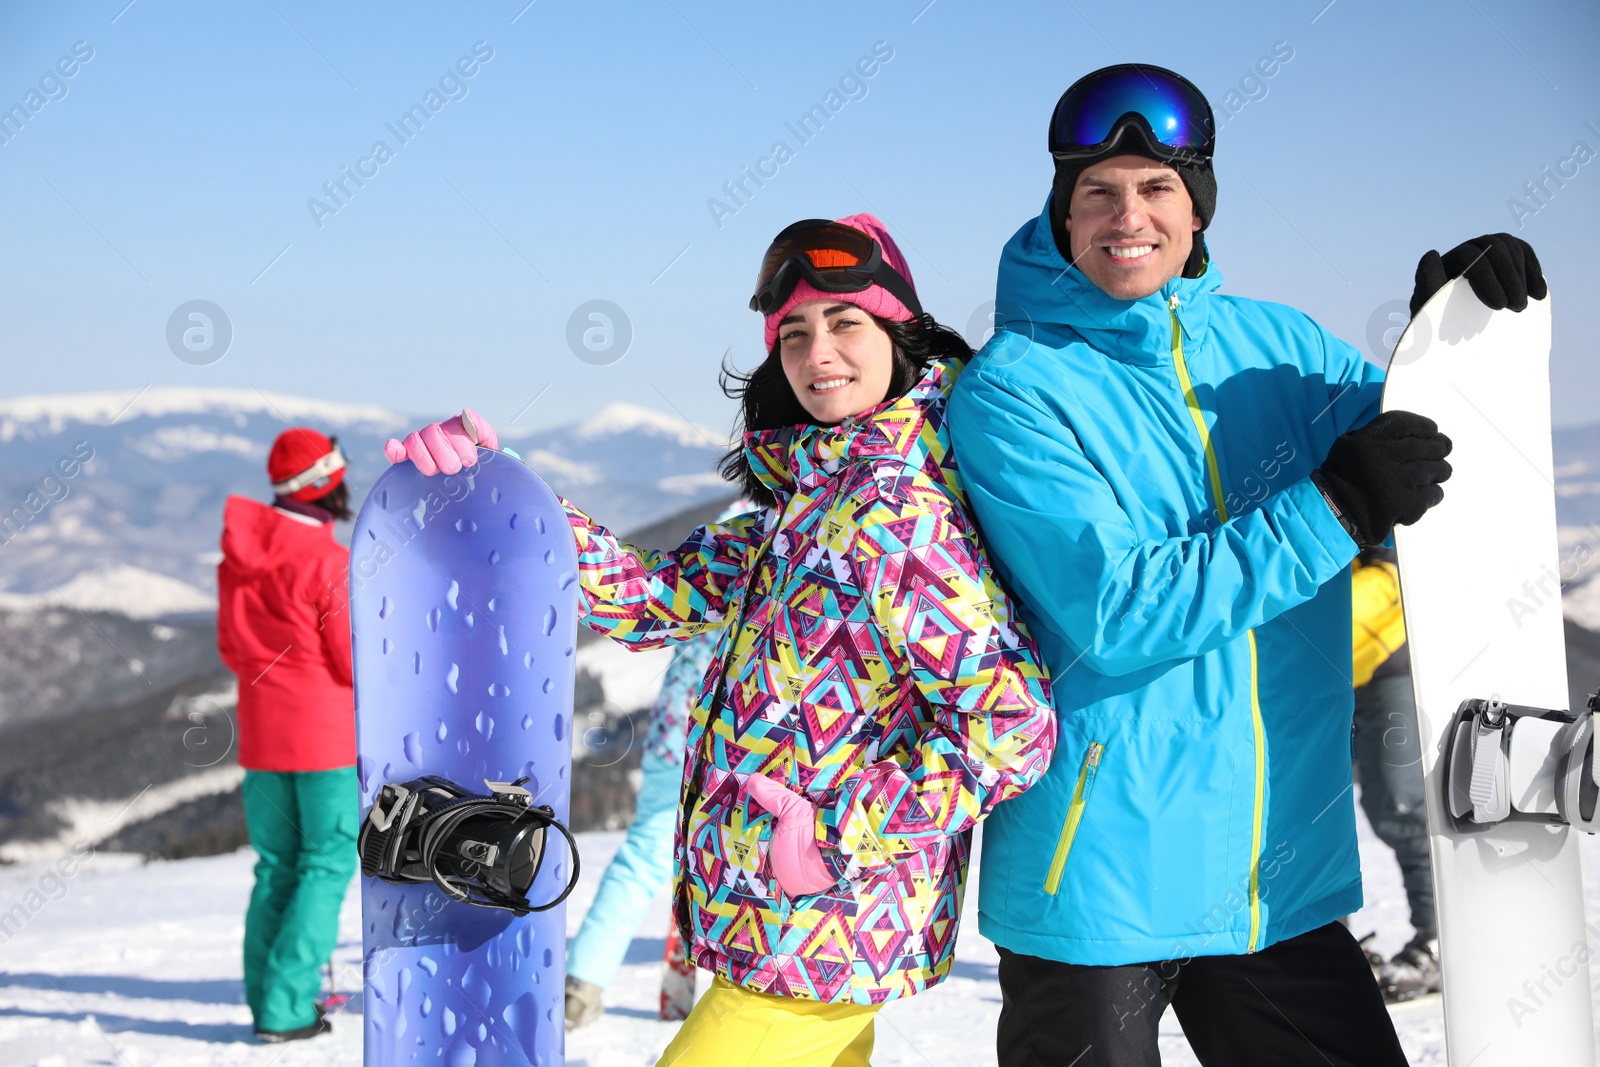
{"x":1044,"y":298}
{"x":910,"y":427}
{"x":301,"y":510}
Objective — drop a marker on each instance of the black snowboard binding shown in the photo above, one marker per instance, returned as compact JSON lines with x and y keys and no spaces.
{"x":1493,"y":750}
{"x":483,"y":850}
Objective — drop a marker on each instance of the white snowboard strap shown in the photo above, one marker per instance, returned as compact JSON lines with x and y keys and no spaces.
{"x":1505,"y":761}
{"x":1491,"y":762}
{"x":1576,"y":791}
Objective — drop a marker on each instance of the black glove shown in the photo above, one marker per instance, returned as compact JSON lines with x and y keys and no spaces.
{"x":1502,"y":270}
{"x":1387,"y":473}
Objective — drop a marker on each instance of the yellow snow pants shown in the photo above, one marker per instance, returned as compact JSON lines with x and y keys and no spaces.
{"x":733,"y":1027}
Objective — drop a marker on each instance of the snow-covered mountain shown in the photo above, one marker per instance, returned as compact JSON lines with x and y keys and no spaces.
{"x":103,"y":494}
{"x":1577,"y":456}
{"x":119,"y":589}
{"x":625,"y":451}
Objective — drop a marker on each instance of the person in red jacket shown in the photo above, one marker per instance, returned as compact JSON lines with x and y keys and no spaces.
{"x":283,"y":628}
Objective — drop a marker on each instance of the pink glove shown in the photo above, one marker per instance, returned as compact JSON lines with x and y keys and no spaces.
{"x":444,"y":446}
{"x":795,"y":855}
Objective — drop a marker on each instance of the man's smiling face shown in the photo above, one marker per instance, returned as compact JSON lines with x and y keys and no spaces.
{"x":1131,"y":224}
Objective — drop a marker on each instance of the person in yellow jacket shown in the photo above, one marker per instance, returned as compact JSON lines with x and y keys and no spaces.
{"x":1388,"y":753}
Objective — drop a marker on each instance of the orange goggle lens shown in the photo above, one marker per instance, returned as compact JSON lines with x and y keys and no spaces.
{"x":824,"y":258}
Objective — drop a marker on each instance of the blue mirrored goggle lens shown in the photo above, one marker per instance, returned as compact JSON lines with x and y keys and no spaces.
{"x":1087,"y":116}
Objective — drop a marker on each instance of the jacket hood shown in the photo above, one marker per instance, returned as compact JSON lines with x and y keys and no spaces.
{"x":1043,"y":298}
{"x":911,"y":426}
{"x":257,"y":537}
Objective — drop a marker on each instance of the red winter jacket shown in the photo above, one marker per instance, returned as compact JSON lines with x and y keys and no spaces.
{"x":283,"y":628}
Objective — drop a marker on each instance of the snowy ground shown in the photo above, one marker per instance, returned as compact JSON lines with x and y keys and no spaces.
{"x":138,"y":965}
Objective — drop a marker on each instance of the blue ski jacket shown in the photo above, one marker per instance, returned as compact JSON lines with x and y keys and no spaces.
{"x":1140,"y":473}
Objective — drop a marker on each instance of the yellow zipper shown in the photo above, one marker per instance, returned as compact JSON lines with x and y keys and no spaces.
{"x":1261,"y":798}
{"x":1257,"y":728}
{"x":1069,"y":829}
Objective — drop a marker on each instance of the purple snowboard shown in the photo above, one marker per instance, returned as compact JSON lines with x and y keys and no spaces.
{"x":463,"y":601}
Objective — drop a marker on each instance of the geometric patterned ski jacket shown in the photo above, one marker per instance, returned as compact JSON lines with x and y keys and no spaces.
{"x":877,"y":668}
{"x":680,"y":685}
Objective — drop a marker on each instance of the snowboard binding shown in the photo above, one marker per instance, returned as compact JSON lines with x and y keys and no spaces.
{"x":1509,"y":762}
{"x":482,"y":850}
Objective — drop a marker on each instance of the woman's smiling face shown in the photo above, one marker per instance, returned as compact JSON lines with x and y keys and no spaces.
{"x":837,"y":358}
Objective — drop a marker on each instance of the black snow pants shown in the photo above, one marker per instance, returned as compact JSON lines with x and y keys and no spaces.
{"x":1309,"y":1000}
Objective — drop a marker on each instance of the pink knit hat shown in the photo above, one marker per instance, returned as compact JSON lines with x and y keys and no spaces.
{"x":875,"y":300}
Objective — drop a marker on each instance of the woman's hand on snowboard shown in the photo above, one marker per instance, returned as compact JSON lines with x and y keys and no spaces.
{"x":795,"y":854}
{"x":444,"y":447}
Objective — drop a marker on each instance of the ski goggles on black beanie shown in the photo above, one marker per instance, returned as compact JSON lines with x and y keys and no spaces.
{"x":1135,"y":109}
{"x":1172,"y":116}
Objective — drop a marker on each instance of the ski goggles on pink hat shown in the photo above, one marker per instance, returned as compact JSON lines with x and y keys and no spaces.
{"x":1159,"y":107}
{"x":833,"y":258}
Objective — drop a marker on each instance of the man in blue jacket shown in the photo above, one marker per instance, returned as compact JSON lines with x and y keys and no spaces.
{"x":1174,"y":483}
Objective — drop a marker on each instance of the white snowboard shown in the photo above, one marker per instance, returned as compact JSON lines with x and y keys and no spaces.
{"x":1480,"y":581}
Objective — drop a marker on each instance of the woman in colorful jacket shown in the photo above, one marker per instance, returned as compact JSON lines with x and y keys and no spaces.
{"x":873,"y":695}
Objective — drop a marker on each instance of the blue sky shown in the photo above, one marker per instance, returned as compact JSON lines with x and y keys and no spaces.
{"x":579,"y":159}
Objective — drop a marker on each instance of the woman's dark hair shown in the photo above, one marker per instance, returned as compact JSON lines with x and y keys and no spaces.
{"x":336,"y":502}
{"x":766,"y":401}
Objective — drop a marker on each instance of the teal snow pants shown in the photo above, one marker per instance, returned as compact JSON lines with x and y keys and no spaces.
{"x":303,"y":826}
{"x":641,"y":868}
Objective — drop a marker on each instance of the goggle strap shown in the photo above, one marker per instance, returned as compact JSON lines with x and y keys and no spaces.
{"x":899,"y":288}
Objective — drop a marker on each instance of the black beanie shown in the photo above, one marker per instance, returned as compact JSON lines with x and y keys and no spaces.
{"x":1198,"y":179}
